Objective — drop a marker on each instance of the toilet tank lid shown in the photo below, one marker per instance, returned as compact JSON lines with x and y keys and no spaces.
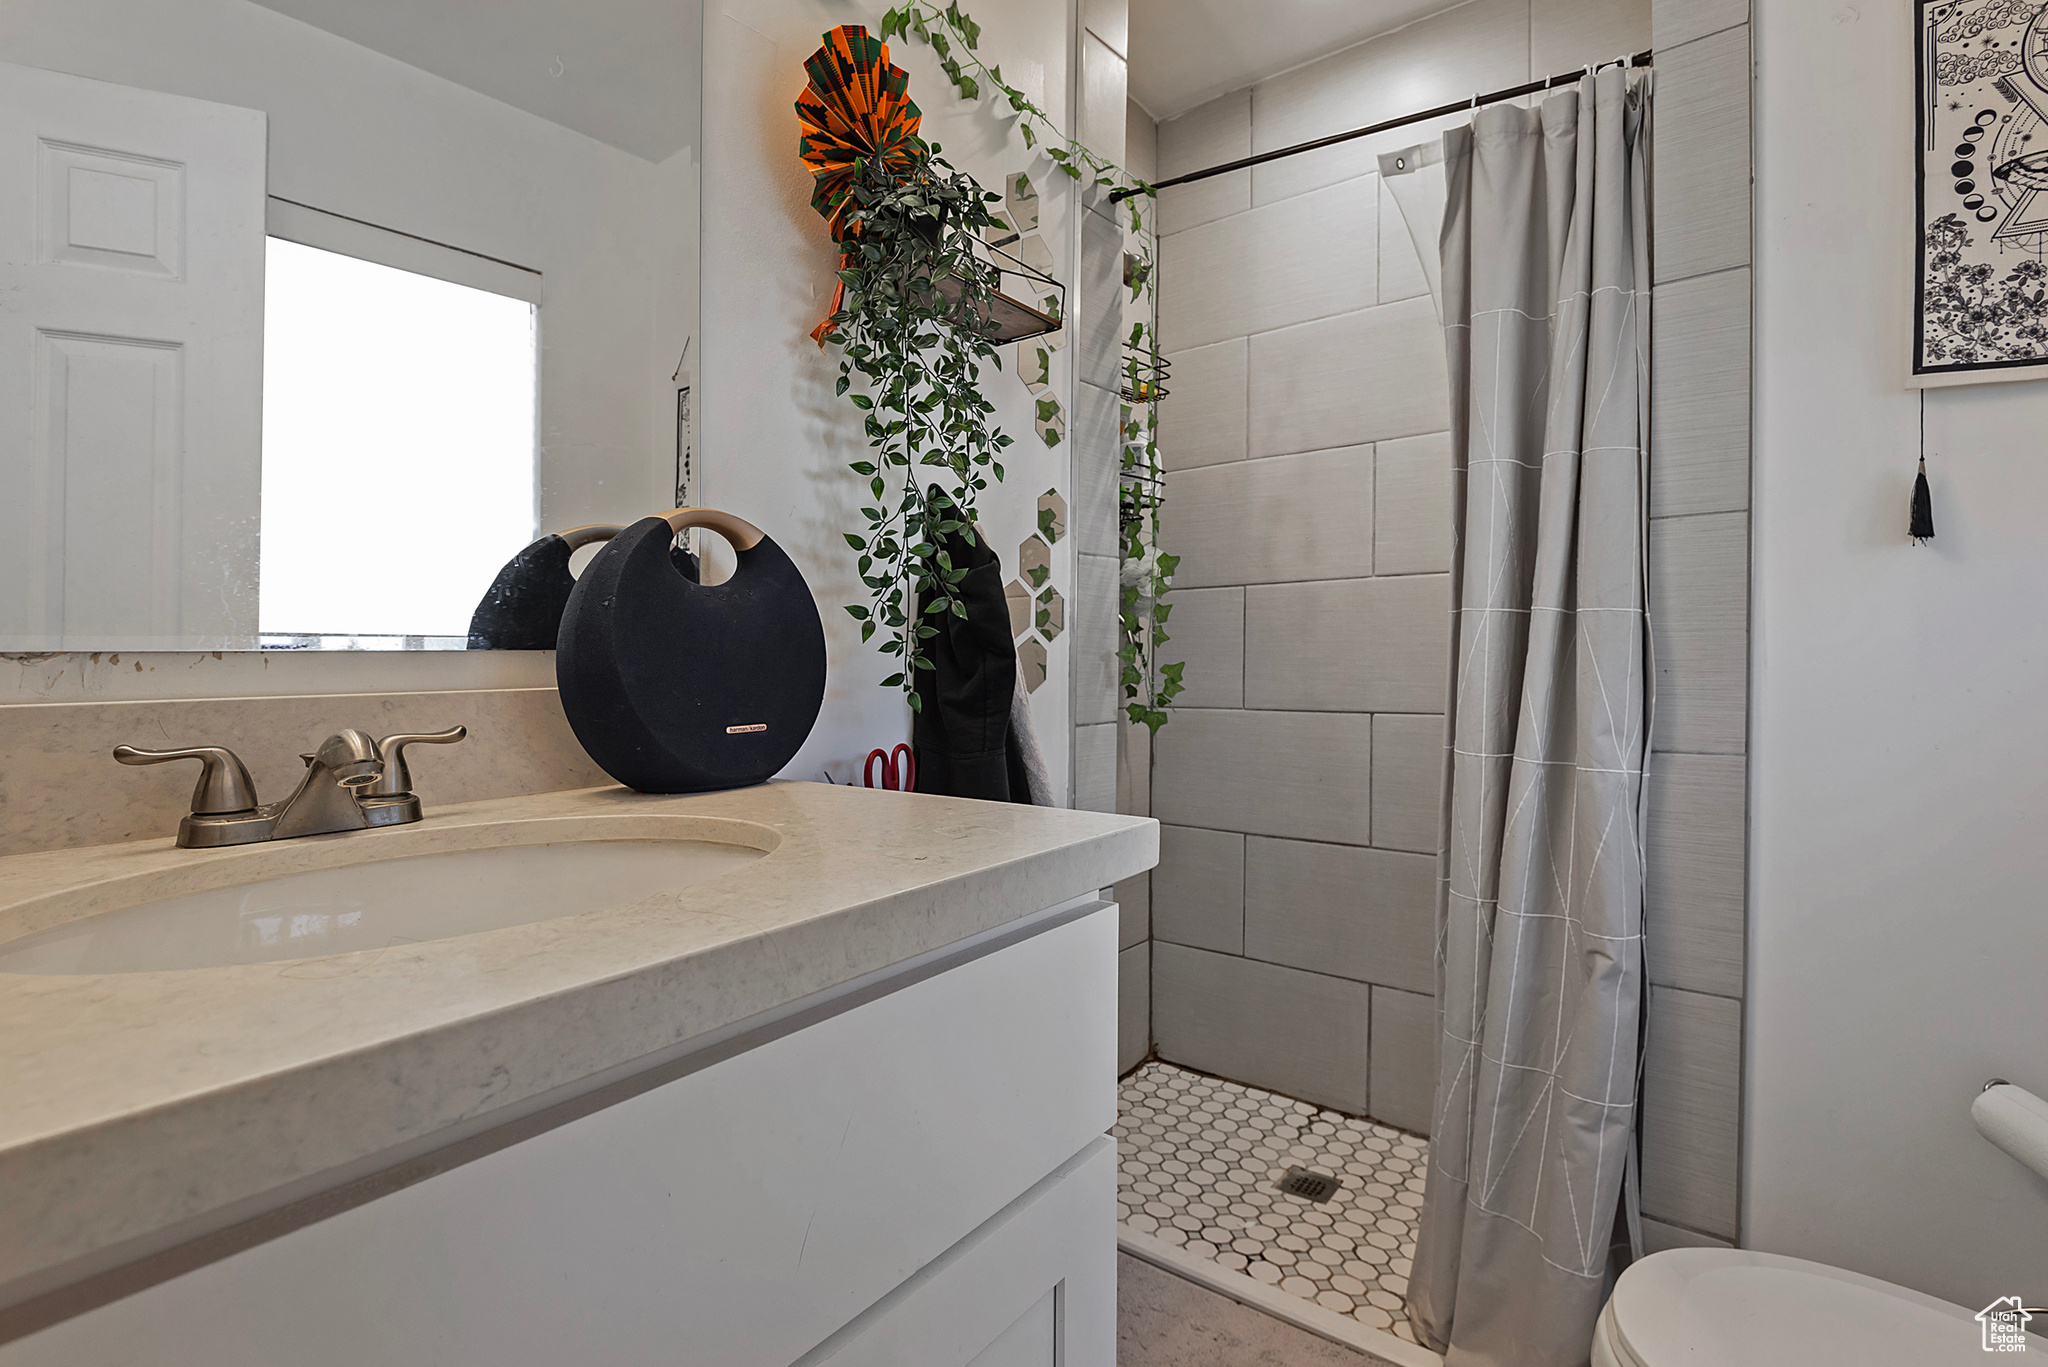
{"x":1714,"y":1307}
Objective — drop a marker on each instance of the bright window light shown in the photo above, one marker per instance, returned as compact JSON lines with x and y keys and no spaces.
{"x":398,"y":446}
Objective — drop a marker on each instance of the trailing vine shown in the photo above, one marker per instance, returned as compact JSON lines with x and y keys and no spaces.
{"x":931,"y":24}
{"x":1147,"y":573}
{"x":912,"y":331}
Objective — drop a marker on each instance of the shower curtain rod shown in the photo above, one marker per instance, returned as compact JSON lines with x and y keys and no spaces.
{"x":1642,"y":58}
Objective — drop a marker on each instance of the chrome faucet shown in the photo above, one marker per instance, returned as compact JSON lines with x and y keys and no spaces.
{"x":352,"y":783}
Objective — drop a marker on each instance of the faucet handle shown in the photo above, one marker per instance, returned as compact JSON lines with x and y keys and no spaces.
{"x":396,"y":780}
{"x":224,"y":784}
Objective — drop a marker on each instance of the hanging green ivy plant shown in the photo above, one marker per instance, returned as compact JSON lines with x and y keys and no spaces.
{"x":913,"y":333}
{"x":1147,"y":573}
{"x":942,"y":27}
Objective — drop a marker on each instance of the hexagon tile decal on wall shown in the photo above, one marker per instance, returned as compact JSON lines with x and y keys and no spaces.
{"x":1052,"y":516}
{"x":1020,"y":198}
{"x":1019,"y":599}
{"x":1031,"y":664}
{"x":1052,"y":614}
{"x":1034,"y":561}
{"x":1051,"y":420}
{"x":1034,"y":364}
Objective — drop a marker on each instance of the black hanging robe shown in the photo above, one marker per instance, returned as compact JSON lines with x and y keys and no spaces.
{"x":962,"y":732}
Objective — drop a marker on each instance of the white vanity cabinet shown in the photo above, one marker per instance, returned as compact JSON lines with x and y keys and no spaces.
{"x":912,"y":1169}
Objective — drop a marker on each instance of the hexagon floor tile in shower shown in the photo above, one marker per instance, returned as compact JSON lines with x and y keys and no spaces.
{"x":1198,"y":1158}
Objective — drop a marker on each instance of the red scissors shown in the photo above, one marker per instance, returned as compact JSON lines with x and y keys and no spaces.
{"x":895,"y":779}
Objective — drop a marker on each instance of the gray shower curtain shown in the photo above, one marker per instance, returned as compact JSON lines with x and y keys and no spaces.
{"x":1540,"y":880}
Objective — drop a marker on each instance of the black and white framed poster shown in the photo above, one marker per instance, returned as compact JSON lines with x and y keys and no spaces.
{"x":1981,"y":300}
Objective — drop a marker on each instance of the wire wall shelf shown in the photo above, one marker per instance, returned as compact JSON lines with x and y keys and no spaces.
{"x":1028,"y":302}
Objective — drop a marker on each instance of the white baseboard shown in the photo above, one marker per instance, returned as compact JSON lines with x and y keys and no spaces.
{"x":1271,"y":1300}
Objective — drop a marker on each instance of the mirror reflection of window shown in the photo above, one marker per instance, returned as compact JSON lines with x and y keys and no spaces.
{"x":399,"y":450}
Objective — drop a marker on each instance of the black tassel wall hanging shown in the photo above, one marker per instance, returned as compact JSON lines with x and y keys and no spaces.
{"x":1921,"y":527}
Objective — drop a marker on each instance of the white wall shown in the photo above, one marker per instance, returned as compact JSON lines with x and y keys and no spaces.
{"x":776,"y":441}
{"x":1898,"y":921}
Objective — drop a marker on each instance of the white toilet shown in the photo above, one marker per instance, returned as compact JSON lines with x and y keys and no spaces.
{"x":1713,"y":1307}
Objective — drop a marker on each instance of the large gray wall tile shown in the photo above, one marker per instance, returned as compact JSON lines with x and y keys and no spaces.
{"x":1096,"y":431}
{"x":1306,"y":171}
{"x":1567,"y":33}
{"x":1141,"y":142}
{"x":1202,"y":417}
{"x":1133,"y":1007}
{"x":1205,"y":631}
{"x":1692,"y":1095}
{"x":1658,"y":1236}
{"x":1301,"y":1034}
{"x":1403,"y":1059}
{"x":1103,"y":91}
{"x":1271,"y":521}
{"x":1680,"y":21}
{"x":1699,"y":606}
{"x":1092,"y":618}
{"x":1095,"y":767}
{"x":1407,"y":782}
{"x":1369,"y":915}
{"x":1134,"y":910}
{"x":1109,"y":20}
{"x":1401,"y":272}
{"x":1303,"y":775}
{"x":1701,"y":214}
{"x":1095,"y":199}
{"x":1699,"y":373}
{"x":1348,"y":645}
{"x":1483,"y":45}
{"x":1269,"y":268}
{"x":1362,"y":376}
{"x":1199,"y":887}
{"x":1695,"y":841}
{"x":1354,"y":160}
{"x":1096,"y":302}
{"x":1205,"y":136}
{"x":1133,"y":766}
{"x":1411,"y":505}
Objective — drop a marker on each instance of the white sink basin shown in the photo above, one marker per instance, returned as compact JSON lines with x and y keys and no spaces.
{"x":373,"y":905}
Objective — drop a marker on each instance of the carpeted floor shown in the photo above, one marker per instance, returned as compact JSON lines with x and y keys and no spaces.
{"x":1164,"y":1321}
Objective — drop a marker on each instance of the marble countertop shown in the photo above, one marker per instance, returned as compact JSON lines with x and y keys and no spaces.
{"x":137,"y":1106}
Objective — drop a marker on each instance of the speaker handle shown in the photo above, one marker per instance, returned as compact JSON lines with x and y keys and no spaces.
{"x":743,"y":535}
{"x":578,"y":537}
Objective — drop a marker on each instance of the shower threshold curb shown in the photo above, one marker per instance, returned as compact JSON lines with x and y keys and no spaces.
{"x":1271,"y":1300}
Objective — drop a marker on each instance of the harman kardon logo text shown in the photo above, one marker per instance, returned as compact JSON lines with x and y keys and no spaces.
{"x":737,"y":730}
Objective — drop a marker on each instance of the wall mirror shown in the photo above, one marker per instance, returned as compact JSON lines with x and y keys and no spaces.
{"x":315,"y":313}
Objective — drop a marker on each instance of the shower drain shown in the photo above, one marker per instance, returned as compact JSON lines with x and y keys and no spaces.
{"x":1308,"y":1184}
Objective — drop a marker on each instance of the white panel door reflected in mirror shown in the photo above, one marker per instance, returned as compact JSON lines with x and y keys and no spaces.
{"x":399,"y":450}
{"x":131,"y":287}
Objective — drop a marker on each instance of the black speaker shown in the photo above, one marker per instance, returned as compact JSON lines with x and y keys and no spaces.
{"x":678,"y":687}
{"x":522,"y":609}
